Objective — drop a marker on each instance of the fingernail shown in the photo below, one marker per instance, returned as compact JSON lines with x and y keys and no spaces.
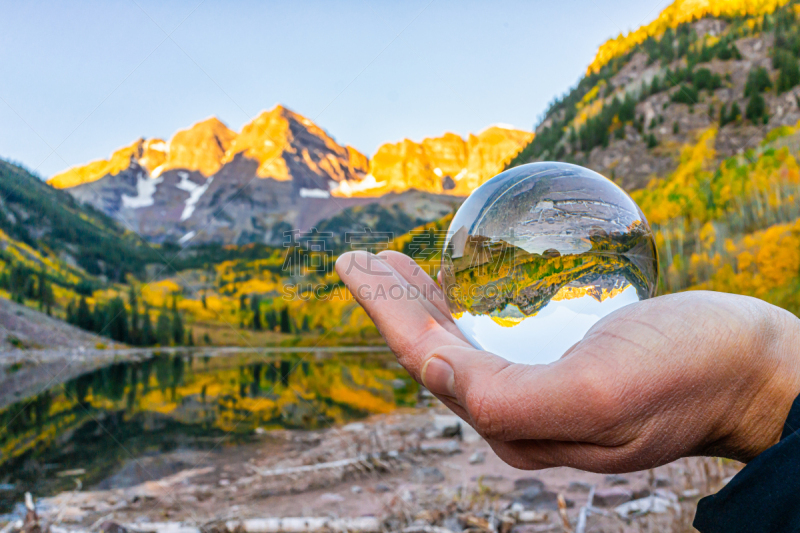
{"x":438,"y":377}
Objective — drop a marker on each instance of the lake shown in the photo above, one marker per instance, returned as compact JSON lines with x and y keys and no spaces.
{"x":78,"y":432}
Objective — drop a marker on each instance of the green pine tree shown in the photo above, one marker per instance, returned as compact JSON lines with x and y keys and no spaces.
{"x":118,"y":320}
{"x":163,"y":328}
{"x":723,"y":115}
{"x":135,"y":334}
{"x":735,"y":114}
{"x":789,"y":74}
{"x":71,"y":312}
{"x":756,"y":108}
{"x":30,"y":291}
{"x":272,"y":319}
{"x":83,"y":317}
{"x":100,"y":320}
{"x":255,"y":306}
{"x":46,"y":297}
{"x":757,"y":81}
{"x":40,"y":290}
{"x":148,"y":338}
{"x":286,"y":325}
{"x":178,"y":334}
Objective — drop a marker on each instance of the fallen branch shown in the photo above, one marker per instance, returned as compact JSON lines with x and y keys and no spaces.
{"x":426,"y":529}
{"x":365,"y":524}
{"x":368,"y":461}
{"x":161,"y":527}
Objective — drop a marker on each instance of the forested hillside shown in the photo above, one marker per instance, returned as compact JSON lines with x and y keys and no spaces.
{"x":648,"y":94}
{"x":58,"y":228}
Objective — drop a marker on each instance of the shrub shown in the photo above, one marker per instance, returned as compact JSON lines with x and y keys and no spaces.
{"x":756,"y":108}
{"x":686,"y":94}
{"x":655,"y":86}
{"x":736,"y":112}
{"x":729,"y":51}
{"x":789,"y":74}
{"x":705,"y":79}
{"x":725,"y":117}
{"x":757,"y":81}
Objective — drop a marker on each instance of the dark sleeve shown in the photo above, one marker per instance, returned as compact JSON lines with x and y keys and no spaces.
{"x":765,"y":495}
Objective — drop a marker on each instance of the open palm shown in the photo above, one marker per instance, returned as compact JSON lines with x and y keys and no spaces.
{"x":685,"y":374}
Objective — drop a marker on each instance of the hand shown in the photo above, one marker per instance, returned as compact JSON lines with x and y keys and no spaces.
{"x":696,"y":373}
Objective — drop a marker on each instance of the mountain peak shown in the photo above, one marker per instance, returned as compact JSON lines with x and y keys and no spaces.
{"x":201,"y":147}
{"x":148,"y":153}
{"x":281,"y":112}
{"x":277,"y":136}
{"x":264,"y":139}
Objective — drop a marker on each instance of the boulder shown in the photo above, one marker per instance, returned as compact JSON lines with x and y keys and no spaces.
{"x":427,"y":475}
{"x":612,"y":497}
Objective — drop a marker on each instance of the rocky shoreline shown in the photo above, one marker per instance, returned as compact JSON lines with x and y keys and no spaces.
{"x":416,"y":471}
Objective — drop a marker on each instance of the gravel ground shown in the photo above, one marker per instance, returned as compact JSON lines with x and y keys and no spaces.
{"x":416,"y":470}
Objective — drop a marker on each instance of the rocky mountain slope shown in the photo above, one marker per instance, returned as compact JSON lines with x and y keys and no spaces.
{"x":723,"y":64}
{"x":24,"y":328}
{"x":282,"y":171}
{"x":447,"y":164}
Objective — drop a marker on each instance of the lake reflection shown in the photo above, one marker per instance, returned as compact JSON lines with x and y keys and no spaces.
{"x":173,"y":400}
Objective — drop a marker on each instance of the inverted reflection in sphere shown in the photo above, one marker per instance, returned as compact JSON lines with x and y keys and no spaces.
{"x":538,"y":254}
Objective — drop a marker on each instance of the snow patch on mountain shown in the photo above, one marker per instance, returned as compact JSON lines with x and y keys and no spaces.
{"x":314,"y":193}
{"x":145,"y":188}
{"x":349,"y":188}
{"x":195,"y":192}
{"x":187,"y":237}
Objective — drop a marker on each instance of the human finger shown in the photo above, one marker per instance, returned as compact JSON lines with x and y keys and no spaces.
{"x":399,"y":313}
{"x":416,"y":276}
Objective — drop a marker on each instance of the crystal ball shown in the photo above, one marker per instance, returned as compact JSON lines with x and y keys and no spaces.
{"x":538,"y":254}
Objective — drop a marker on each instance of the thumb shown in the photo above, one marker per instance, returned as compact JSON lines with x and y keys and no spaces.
{"x":566,"y":401}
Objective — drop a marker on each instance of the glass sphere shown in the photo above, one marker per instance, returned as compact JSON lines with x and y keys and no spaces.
{"x":538,"y":254}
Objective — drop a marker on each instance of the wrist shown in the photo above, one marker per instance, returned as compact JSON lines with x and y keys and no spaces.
{"x":777,"y":353}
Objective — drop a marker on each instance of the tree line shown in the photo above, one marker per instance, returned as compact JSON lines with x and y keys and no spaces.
{"x":272,"y":319}
{"x":127,"y":324}
{"x":558,"y":134}
{"x":24,"y":283}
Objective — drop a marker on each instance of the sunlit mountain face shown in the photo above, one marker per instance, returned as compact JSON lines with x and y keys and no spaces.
{"x":281,"y":172}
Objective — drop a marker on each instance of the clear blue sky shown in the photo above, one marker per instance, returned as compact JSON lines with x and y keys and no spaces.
{"x":84,"y":78}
